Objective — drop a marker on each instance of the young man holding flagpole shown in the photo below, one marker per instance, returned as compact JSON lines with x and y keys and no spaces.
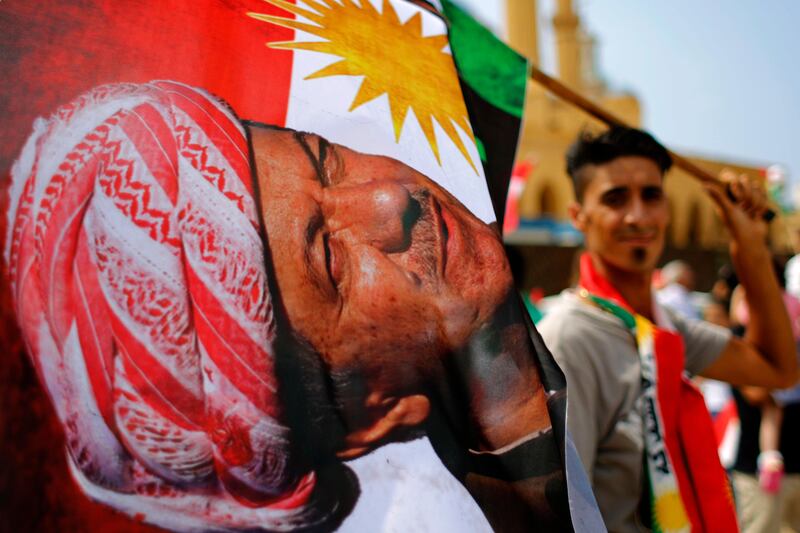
{"x":640,"y":427}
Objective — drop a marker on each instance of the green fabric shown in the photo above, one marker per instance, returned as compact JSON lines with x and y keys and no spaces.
{"x":481,"y":149}
{"x":495,"y":71}
{"x":534,"y":312}
{"x":627,"y":318}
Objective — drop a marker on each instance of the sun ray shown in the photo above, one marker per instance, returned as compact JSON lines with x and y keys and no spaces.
{"x":286,"y":23}
{"x":414,"y":24}
{"x":365,"y":5}
{"x":293,"y":8}
{"x":366,"y":93}
{"x":426,"y":124}
{"x":320,"y":46}
{"x":464,"y":124}
{"x":399,"y":113}
{"x":437,"y":41}
{"x":319,"y":5}
{"x":389,"y":13}
{"x":416,"y":72}
{"x":340,"y":68}
{"x":449,"y":128}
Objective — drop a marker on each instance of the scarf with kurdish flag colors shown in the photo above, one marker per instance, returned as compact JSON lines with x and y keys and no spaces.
{"x":688,"y":487}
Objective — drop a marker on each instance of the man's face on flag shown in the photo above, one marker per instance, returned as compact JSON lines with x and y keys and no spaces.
{"x":374,"y":261}
{"x":624,"y":213}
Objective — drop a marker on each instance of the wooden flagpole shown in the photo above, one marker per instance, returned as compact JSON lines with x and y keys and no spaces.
{"x":564,"y":92}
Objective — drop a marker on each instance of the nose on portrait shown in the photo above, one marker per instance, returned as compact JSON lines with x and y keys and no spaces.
{"x":378,"y":213}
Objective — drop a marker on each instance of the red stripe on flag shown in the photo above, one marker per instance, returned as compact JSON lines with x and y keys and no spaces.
{"x":705,"y":478}
{"x":205,"y":43}
{"x":246,"y":364}
{"x":155,"y":382}
{"x":668,"y":372}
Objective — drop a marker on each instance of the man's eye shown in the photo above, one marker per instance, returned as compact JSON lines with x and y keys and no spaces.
{"x":652,"y":194}
{"x":336,"y":262}
{"x":326,"y":245}
{"x":332,"y":167}
{"x":329,"y":164}
{"x":614,"y":198}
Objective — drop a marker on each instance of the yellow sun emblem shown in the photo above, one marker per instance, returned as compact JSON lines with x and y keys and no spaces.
{"x":413,"y":70}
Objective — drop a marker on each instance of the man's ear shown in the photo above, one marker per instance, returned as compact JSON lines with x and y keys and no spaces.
{"x":404,"y":412}
{"x":577,"y":215}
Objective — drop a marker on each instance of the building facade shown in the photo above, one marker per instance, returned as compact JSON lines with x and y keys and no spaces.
{"x":550,"y":125}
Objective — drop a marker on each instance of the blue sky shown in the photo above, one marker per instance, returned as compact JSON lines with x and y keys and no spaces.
{"x":719,"y":79}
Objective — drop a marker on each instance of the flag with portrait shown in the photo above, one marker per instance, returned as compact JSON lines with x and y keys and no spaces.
{"x":255,"y":263}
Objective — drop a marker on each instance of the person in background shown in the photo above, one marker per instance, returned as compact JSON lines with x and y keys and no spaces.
{"x":717,"y":394}
{"x":677,"y":278}
{"x":763,"y":413}
{"x":639,"y":425}
{"x":716,"y":312}
{"x":792,"y":270}
{"x":724,"y":285}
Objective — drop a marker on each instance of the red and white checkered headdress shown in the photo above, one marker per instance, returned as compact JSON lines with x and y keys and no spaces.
{"x":137,"y":269}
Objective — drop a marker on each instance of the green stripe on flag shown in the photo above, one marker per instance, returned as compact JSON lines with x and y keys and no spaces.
{"x":495,"y":71}
{"x":481,"y":149}
{"x":493,"y":81}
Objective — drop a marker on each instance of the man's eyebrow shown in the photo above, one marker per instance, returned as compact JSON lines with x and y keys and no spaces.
{"x":615,"y":194}
{"x":323,"y":153}
{"x":615,"y":190}
{"x":316,"y":162}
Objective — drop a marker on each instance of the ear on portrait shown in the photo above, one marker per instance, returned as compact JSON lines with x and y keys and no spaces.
{"x":393,"y":415}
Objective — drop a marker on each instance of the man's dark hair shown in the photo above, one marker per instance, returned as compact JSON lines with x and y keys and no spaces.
{"x":615,"y":142}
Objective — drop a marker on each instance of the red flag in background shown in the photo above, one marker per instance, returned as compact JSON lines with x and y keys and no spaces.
{"x":519,"y":178}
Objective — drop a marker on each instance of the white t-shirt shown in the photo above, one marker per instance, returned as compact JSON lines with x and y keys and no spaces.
{"x":792,"y":275}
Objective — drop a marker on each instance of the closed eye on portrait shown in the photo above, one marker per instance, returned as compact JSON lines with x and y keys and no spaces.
{"x":323,"y":261}
{"x":317,"y":255}
{"x":317,"y":234}
{"x":326,"y":244}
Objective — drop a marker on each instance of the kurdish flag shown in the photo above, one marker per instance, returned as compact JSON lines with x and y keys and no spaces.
{"x":323,"y":66}
{"x":250,"y":246}
{"x":494,"y":81}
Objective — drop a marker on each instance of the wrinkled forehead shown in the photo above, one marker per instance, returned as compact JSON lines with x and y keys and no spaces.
{"x":287,"y":149}
{"x":276,"y":150}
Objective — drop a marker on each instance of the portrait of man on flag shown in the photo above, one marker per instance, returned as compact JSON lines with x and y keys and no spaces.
{"x":254,"y":261}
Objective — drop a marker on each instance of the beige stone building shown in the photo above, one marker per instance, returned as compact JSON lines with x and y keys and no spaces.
{"x":550,"y":125}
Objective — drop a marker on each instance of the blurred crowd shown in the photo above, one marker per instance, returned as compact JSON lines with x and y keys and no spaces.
{"x":762,"y":450}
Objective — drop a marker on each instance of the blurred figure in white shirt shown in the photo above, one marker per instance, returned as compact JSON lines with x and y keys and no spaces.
{"x":677,"y":278}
